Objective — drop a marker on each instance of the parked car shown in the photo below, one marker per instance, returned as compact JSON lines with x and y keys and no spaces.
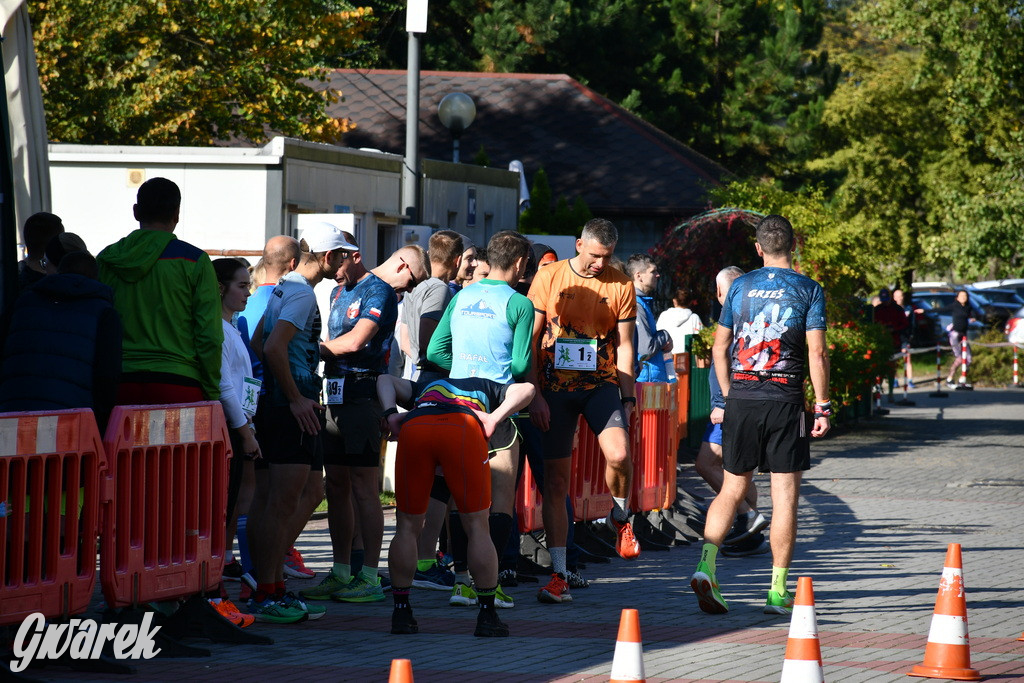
{"x":998,"y":304}
{"x":1015,"y":328}
{"x":1016,"y":284}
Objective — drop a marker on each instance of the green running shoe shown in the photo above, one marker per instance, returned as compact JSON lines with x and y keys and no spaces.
{"x":314,"y":612}
{"x":705,"y":585}
{"x":503,"y":599}
{"x":274,"y":612}
{"x":360,"y":590}
{"x":779,"y":604}
{"x":331,"y":584}
{"x":463,"y":595}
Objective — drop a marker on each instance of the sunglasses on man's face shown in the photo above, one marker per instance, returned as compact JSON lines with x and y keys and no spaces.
{"x":412,"y":275}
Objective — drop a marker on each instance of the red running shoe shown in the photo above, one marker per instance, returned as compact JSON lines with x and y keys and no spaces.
{"x":294,"y":566}
{"x":626,"y":544}
{"x":556,"y":592}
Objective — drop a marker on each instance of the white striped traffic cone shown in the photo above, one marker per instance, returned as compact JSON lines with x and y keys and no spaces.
{"x":628,"y":662}
{"x":803,"y":651}
{"x":948,"y":652}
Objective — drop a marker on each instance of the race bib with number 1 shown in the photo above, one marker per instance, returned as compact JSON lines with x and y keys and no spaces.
{"x":576,"y":354}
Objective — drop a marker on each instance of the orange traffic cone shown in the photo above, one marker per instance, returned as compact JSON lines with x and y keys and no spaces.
{"x":401,"y":671}
{"x":628,"y":663}
{"x":948,"y":652}
{"x":803,"y":651}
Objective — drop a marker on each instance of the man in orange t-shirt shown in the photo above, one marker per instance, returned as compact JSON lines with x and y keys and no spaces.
{"x":585,"y":313}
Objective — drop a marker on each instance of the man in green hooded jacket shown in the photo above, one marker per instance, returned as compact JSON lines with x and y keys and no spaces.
{"x":166,"y":292}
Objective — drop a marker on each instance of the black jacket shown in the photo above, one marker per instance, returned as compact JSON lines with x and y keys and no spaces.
{"x":62,"y":348}
{"x":961,"y":315}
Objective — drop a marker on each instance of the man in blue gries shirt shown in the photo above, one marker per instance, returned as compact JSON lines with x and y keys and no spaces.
{"x":776,"y":317}
{"x":486,"y":332}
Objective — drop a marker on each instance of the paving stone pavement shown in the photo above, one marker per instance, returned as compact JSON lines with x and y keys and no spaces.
{"x":878,"y":508}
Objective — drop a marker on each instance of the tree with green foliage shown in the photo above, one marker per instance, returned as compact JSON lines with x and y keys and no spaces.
{"x":756,"y":77}
{"x":741,"y":81}
{"x":826,"y":250}
{"x":925,"y":137}
{"x":173,"y":72}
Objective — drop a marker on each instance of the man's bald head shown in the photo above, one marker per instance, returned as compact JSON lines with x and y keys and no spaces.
{"x":281,"y":255}
{"x":724,"y":280}
{"x":405,"y":268}
{"x":417,"y":259}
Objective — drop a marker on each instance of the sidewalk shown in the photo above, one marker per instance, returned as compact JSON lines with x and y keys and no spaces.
{"x":878,"y":508}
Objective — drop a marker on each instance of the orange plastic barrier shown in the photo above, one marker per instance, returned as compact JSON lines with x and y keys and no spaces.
{"x":50,"y":469}
{"x":528,"y":508}
{"x":587,"y":488}
{"x":682,"y":365}
{"x":653,"y":444}
{"x":163,"y":536}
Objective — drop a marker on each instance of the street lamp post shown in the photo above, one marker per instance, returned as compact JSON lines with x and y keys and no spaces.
{"x":456,"y":112}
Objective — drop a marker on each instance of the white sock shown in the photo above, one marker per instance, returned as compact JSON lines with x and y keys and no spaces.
{"x":619,"y":509}
{"x":463,"y":578}
{"x":558,"y":560}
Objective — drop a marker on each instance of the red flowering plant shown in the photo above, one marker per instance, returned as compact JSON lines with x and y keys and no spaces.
{"x":858,"y":354}
{"x":691,"y":254}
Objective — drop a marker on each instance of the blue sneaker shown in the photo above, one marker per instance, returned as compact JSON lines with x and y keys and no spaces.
{"x":437,"y":578}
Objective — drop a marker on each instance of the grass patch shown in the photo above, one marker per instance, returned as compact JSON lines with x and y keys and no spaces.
{"x":386,"y":498}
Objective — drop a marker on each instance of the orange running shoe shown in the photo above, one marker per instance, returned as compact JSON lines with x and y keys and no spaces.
{"x":626,"y":544}
{"x":227,"y":609}
{"x":557,"y":591}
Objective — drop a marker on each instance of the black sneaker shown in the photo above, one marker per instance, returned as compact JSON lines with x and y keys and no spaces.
{"x":403,"y":622}
{"x":754,"y":545}
{"x":508,"y":578}
{"x":745,"y":527}
{"x":575,"y":579}
{"x":233,"y":571}
{"x":488,"y":625}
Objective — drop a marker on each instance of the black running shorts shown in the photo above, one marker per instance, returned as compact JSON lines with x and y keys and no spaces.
{"x":283,"y":442}
{"x":601,"y":407}
{"x":769,"y":436}
{"x":352,"y":437}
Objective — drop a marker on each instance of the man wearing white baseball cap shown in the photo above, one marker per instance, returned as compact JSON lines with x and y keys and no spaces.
{"x":289,"y":420}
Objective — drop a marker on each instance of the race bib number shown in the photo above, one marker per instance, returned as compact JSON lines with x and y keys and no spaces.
{"x":334,"y":390}
{"x":250,"y":395}
{"x":576,"y":354}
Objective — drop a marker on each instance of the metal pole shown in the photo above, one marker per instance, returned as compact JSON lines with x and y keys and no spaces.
{"x":938,"y":393}
{"x":1016,"y":376}
{"x":905,"y":401}
{"x":1017,"y":382}
{"x":411,"y":167}
{"x":8,"y":222}
{"x":455,"y":151}
{"x":963,"y":385}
